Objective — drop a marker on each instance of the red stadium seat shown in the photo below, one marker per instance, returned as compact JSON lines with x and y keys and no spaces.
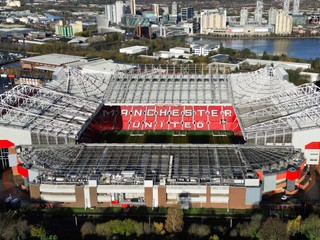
{"x":164,"y":118}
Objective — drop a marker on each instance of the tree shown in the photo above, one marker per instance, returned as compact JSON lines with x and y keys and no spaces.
{"x":199,"y":230}
{"x":159,"y":228}
{"x":294,"y":226}
{"x":273,"y":229}
{"x":251,"y":229}
{"x":214,"y":237}
{"x":50,"y":237}
{"x":87,"y":228}
{"x":248,"y":229}
{"x":124,"y":228}
{"x":174,"y":220}
{"x":310,"y":227}
{"x":138,"y":228}
{"x":12,"y":227}
{"x":265,"y":56}
{"x":38,"y":232}
{"x":105,"y":229}
{"x":296,"y":78}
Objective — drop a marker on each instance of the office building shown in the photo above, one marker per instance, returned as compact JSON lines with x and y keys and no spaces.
{"x":186,"y":13}
{"x":132,"y":21}
{"x":283,"y":24}
{"x":244,"y":16}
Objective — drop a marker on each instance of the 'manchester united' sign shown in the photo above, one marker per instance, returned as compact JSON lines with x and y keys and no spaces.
{"x":167,"y":117}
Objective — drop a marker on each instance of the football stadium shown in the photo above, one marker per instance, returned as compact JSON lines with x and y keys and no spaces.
{"x":158,"y":136}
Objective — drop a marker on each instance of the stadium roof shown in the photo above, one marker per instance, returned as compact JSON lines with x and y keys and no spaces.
{"x":168,"y":85}
{"x":265,"y":105}
{"x":294,"y":109}
{"x":43,"y":110}
{"x":178,"y":164}
{"x":255,"y":85}
{"x":137,"y":87}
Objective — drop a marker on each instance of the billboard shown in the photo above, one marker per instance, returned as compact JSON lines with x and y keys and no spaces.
{"x":168,"y":117}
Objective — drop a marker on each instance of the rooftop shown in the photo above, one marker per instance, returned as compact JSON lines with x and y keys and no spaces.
{"x":293,"y":109}
{"x":44,"y":111}
{"x":178,"y":164}
{"x":54,"y":59}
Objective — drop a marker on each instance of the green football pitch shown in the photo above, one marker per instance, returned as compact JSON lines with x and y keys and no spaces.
{"x":177,"y":137}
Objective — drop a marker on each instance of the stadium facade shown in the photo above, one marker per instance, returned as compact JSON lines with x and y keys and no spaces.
{"x":56,"y":128}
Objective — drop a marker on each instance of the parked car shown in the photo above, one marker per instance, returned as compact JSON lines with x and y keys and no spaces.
{"x":285,"y":197}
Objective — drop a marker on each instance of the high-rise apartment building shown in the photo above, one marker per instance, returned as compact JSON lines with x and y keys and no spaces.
{"x":174,"y":9}
{"x":286,"y":6}
{"x":296,"y":6}
{"x":119,"y":10}
{"x":156,"y":10}
{"x":283,"y":24}
{"x":111,"y":13}
{"x":133,"y":7}
{"x":244,"y":16}
{"x":258,"y":12}
{"x":186,"y":13}
{"x":272,"y":14}
{"x":212,"y":20}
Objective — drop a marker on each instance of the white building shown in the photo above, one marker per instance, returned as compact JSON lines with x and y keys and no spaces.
{"x":188,"y":27}
{"x":165,"y":10}
{"x":312,"y":153}
{"x":134,"y":49}
{"x":203,"y":49}
{"x":133,"y":7}
{"x":164,"y":54}
{"x":156,"y":10}
{"x":102,"y":23}
{"x":119,"y":8}
{"x":244,"y":16}
{"x":250,"y":30}
{"x":111,"y":13}
{"x":13,"y":3}
{"x":179,"y":50}
{"x":174,"y":10}
{"x":296,"y":6}
{"x":258,"y":12}
{"x":283,"y":23}
{"x":286,"y":6}
{"x":272,"y":15}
